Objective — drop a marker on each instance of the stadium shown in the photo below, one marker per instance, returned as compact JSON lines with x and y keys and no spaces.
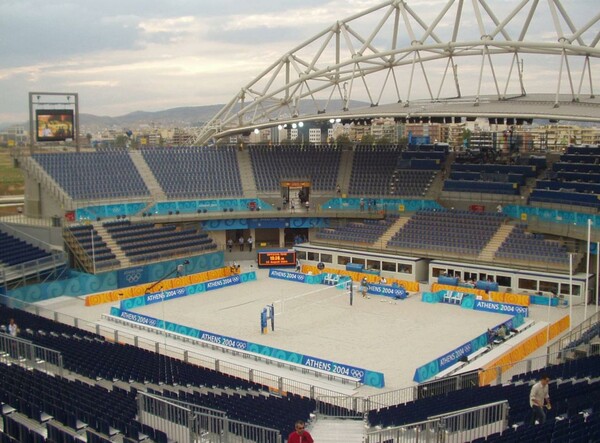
{"x":365,"y":238}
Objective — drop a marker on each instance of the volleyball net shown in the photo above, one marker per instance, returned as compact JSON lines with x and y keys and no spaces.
{"x":329,"y":294}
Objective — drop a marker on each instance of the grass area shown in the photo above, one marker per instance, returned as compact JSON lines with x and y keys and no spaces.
{"x":12,"y":181}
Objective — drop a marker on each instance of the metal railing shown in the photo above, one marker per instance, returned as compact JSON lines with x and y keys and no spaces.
{"x":554,"y":354}
{"x":276,"y":383}
{"x":187,"y":423}
{"x":25,"y":353}
{"x":455,"y":427}
{"x":335,"y":406}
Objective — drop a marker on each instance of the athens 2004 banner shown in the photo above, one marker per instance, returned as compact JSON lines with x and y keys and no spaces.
{"x":365,"y":376}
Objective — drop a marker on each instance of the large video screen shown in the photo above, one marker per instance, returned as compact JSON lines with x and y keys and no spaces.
{"x":54,"y":125}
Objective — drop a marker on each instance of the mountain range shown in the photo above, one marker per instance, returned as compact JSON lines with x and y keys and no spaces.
{"x":184,"y":116}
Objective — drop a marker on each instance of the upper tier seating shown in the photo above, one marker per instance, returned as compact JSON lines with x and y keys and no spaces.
{"x":145,"y":241}
{"x":488,"y":178}
{"x":94,"y":175}
{"x":522,"y":245}
{"x":459,"y":232}
{"x":574,"y":180}
{"x":367,"y":231}
{"x":195,"y":172}
{"x":386,"y":170}
{"x":271,"y":164}
{"x":14,"y":251}
{"x":94,"y":246}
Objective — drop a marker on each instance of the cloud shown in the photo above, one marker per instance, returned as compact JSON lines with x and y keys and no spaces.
{"x":150,"y":54}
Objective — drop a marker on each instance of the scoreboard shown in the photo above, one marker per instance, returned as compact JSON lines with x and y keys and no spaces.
{"x":271,"y":258}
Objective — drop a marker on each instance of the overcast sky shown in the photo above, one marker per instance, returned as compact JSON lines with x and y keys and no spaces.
{"x":128,"y":55}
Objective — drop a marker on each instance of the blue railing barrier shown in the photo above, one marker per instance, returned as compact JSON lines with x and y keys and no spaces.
{"x":184,"y":291}
{"x":443,"y":362}
{"x":81,"y":283}
{"x":381,"y":204}
{"x":524,"y":213}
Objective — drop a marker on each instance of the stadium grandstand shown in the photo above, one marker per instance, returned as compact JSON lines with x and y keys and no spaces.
{"x":382,"y":292}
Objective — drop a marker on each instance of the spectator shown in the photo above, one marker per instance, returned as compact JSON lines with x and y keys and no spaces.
{"x":501,"y":333}
{"x":338,"y":190}
{"x":230,"y":244}
{"x":364,"y":286}
{"x":241,"y":242}
{"x":250,"y":242}
{"x":300,"y":435}
{"x":12,"y":327}
{"x":362,"y":205}
{"x":537,"y":397}
{"x":307,"y":204}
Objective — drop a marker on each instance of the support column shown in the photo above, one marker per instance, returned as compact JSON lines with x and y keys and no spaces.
{"x":281,"y":237}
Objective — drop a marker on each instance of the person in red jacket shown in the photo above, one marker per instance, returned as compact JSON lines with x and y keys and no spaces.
{"x":300,"y":435}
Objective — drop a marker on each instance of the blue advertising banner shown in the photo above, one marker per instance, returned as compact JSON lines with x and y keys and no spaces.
{"x":183,"y":291}
{"x":169,"y":294}
{"x":223,"y":282}
{"x":132,"y":276}
{"x":436,"y":366}
{"x":500,"y":308}
{"x":367,"y":377}
{"x":387,"y":291}
{"x":287,"y":275}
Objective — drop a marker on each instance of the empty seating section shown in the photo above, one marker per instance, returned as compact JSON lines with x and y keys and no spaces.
{"x":488,"y":178}
{"x":372,"y":169}
{"x":14,"y":251}
{"x":195,"y":172}
{"x":70,"y":403}
{"x":459,"y":232}
{"x":94,"y":175}
{"x":94,"y":246}
{"x":568,"y":397}
{"x":99,"y":359}
{"x":574,"y":179}
{"x":319,"y":164}
{"x":267,"y":411}
{"x":367,"y":231}
{"x":146,"y":241}
{"x":522,"y":245}
{"x":33,"y":392}
{"x":579,"y":368}
{"x":386,"y":170}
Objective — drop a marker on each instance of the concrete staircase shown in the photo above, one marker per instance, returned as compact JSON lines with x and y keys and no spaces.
{"x":246,"y":174}
{"x":149,"y":179}
{"x":112,"y":244}
{"x":490,"y":249}
{"x":387,"y":235}
{"x":345,"y":171}
{"x":335,"y":430}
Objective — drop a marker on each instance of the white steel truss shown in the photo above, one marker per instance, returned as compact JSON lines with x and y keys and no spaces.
{"x":402,"y":54}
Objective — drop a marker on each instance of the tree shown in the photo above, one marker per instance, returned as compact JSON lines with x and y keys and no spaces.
{"x":367,"y":139}
{"x":121,"y":141}
{"x":383,"y":140}
{"x":343,"y":140}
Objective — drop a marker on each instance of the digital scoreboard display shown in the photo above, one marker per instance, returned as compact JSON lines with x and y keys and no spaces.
{"x":276,"y":258}
{"x":54,"y":125}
